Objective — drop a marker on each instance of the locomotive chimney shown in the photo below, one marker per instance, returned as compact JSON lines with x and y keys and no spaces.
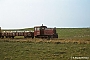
{"x":0,"y":29}
{"x":42,"y":24}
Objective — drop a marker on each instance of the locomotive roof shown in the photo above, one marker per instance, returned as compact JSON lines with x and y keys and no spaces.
{"x":41,"y":26}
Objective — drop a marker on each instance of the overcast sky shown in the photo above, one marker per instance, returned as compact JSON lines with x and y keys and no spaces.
{"x":53,"y":13}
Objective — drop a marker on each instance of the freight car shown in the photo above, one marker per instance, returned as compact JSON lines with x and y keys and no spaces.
{"x":39,"y":32}
{"x":12,"y":34}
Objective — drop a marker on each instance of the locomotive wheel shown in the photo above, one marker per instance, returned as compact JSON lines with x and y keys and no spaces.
{"x":49,"y":37}
{"x":32,"y":37}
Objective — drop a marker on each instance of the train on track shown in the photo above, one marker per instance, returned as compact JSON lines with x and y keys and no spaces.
{"x":39,"y":32}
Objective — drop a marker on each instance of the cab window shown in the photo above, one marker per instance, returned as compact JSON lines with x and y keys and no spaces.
{"x":38,"y":29}
{"x":43,"y":28}
{"x":35,"y":29}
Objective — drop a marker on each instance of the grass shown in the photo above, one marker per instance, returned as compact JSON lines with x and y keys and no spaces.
{"x":17,"y":50}
{"x":72,"y":42}
{"x":73,"y":33}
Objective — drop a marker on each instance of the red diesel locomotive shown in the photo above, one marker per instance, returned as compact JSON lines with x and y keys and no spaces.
{"x":39,"y":32}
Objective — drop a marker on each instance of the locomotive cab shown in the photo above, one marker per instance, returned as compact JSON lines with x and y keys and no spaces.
{"x":39,"y":30}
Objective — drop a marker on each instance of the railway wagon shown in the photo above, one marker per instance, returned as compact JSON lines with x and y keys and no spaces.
{"x":12,"y":34}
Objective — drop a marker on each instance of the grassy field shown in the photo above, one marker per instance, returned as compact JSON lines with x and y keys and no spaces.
{"x":74,"y":33}
{"x":72,"y":42}
{"x":39,"y":50}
